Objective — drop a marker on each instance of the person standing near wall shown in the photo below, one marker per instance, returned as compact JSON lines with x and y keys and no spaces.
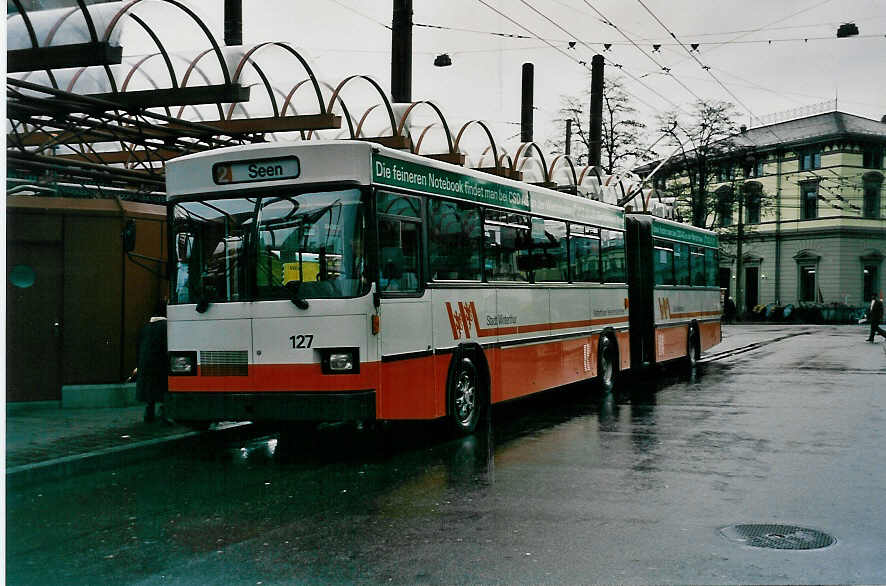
{"x":151,"y":383}
{"x":875,"y":316}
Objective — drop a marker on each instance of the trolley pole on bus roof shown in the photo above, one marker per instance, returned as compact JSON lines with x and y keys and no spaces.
{"x":401,"y":51}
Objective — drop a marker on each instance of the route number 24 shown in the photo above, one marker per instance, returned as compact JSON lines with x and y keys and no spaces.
{"x":302,"y":340}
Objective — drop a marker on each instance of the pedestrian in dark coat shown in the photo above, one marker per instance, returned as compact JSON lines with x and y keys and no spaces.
{"x":151,"y":382}
{"x":875,"y":316}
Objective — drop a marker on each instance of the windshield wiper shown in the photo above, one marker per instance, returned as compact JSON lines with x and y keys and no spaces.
{"x":293,"y":287}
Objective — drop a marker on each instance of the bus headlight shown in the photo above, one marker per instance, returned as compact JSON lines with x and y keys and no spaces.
{"x":341,"y":360}
{"x":183,"y":363}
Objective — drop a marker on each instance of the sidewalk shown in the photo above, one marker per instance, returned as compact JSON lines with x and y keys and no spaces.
{"x":56,"y":441}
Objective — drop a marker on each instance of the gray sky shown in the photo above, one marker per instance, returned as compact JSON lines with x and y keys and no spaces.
{"x":344,"y":37}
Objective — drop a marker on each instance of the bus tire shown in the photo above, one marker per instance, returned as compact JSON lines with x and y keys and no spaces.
{"x":693,"y":350}
{"x":607,"y":368}
{"x":465,"y":395}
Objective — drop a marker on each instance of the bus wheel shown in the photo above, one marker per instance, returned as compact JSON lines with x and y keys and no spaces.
{"x":606,"y":368}
{"x":465,"y":396}
{"x":693,"y":351}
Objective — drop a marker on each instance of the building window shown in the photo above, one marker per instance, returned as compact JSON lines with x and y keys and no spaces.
{"x":872,"y":158}
{"x":872,"y":182}
{"x":724,"y":205}
{"x":759,"y":168}
{"x":807,"y":283}
{"x":809,"y":201}
{"x":753,"y":192}
{"x":810,"y":159}
{"x":871,"y":201}
{"x":724,"y":172}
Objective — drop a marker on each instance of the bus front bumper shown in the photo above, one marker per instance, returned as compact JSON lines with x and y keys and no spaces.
{"x":277,"y":406}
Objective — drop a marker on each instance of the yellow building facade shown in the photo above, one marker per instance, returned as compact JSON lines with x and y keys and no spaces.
{"x":813,"y":219}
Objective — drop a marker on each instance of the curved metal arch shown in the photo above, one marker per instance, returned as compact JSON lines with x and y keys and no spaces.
{"x":215,"y":47}
{"x":33,"y":36}
{"x":344,"y":109}
{"x":541,"y":155}
{"x":135,"y":68}
{"x":292,"y":52}
{"x":160,"y":48}
{"x":492,"y":144}
{"x":187,"y":76}
{"x":439,"y":114}
{"x":265,"y":82}
{"x":596,"y":171}
{"x":363,"y":119}
{"x":380,"y":91}
{"x":568,"y":159}
{"x":51,"y":34}
{"x":421,"y":137}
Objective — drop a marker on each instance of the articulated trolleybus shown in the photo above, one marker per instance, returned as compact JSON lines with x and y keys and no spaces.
{"x":344,"y":281}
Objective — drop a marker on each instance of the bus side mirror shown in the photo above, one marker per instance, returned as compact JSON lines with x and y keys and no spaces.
{"x":128,"y":236}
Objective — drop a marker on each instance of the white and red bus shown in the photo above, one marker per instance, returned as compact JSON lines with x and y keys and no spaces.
{"x":345,"y":281}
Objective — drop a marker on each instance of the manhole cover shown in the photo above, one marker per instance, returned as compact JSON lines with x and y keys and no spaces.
{"x":777,"y":536}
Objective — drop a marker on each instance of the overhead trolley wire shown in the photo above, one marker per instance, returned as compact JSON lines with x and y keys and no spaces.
{"x":666,"y":70}
{"x":584,"y":64}
{"x":573,"y":58}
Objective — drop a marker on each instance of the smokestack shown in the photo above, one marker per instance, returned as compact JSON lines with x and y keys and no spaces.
{"x":233,"y":22}
{"x":526,"y":107}
{"x":596,"y":129}
{"x":401,"y":51}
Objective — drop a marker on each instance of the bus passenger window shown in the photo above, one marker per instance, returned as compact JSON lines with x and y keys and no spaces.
{"x":663,"y":262}
{"x":585,"y":253}
{"x":681,"y":263}
{"x":455,"y":236}
{"x":550,"y":251}
{"x":508,"y":245}
{"x":399,"y":254}
{"x":712,"y":267}
{"x":613,"y":256}
{"x":696,"y":266}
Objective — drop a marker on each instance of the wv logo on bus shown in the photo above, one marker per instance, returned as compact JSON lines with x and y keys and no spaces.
{"x":664,"y":308}
{"x":462,"y":318}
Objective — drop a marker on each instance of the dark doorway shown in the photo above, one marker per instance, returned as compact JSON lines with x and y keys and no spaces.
{"x":751,"y":287}
{"x":726,"y":280}
{"x":33,"y":322}
{"x":870,"y":283}
{"x":807,"y":283}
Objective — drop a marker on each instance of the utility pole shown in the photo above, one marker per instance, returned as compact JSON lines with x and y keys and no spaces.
{"x":569,"y":136}
{"x":596,"y":128}
{"x":401,"y":51}
{"x":526,"y":103}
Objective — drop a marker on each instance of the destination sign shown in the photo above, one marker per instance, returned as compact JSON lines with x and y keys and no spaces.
{"x":256,"y":170}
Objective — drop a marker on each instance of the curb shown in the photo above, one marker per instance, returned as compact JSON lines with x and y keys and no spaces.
{"x":105,"y":458}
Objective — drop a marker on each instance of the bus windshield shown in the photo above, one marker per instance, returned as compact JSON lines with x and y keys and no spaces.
{"x":259,"y":248}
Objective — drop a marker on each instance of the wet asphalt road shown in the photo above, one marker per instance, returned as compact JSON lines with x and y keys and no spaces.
{"x":568,"y":487}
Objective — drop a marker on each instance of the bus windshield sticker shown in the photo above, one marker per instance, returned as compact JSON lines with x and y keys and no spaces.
{"x":684,"y":235}
{"x":256,"y":170}
{"x":408,"y":175}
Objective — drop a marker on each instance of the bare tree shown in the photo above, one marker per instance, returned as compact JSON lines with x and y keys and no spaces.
{"x":705,"y":143}
{"x":622,"y":139}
